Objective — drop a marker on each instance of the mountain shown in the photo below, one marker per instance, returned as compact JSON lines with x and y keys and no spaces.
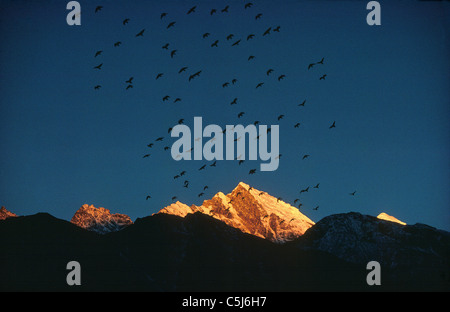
{"x":251,"y":211}
{"x":6,"y":214}
{"x":385,"y":216}
{"x":409,"y":252}
{"x":100,"y":220}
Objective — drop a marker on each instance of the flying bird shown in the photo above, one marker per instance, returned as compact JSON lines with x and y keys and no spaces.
{"x":258,"y":16}
{"x":125,"y":21}
{"x":241,"y":114}
{"x":118,"y":43}
{"x":129,"y":80}
{"x":201,"y":194}
{"x":230,"y":36}
{"x":148,"y":197}
{"x":322,"y":77}
{"x":234,"y":101}
{"x":205,"y":35}
{"x":248,"y":5}
{"x":213,"y":164}
{"x":98,"y":53}
{"x":171,"y":24}
{"x":267,"y":31}
{"x":305,"y":156}
{"x":166,"y":46}
{"x":162,"y":15}
{"x":191,"y":10}
{"x":317,"y":207}
{"x":251,"y":57}
{"x":281,"y":77}
{"x":321,"y":61}
{"x":252,"y":171}
{"x":98,"y":66}
{"x":166,"y":98}
{"x":98,"y":8}
{"x":202,"y":167}
{"x":317,"y":186}
{"x":215,"y":43}
{"x":141,"y":33}
{"x":177,"y":100}
{"x":213,"y":11}
{"x":302,"y":103}
{"x":97,"y":87}
{"x":311,"y":65}
{"x":269,"y":71}
{"x":236,"y":43}
{"x":159,"y":75}
{"x":280,"y":117}
{"x":297,"y":125}
{"x":234,"y":81}
{"x":277,"y":29}
{"x":304,"y":190}
{"x":225,"y":84}
{"x":129,"y":86}
{"x":225,"y":9}
{"x":172,"y":53}
{"x":259,"y":85}
{"x":333,"y":125}
{"x":251,"y":36}
{"x":146,"y":155}
{"x":353,"y":194}
{"x":182,"y":70}
{"x":160,"y":139}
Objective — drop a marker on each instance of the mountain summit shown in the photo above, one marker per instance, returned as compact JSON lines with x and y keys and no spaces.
{"x":100,"y":220}
{"x":251,"y":211}
{"x":4,"y":213}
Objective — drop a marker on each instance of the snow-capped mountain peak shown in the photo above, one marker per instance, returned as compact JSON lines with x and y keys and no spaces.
{"x":252,"y":211}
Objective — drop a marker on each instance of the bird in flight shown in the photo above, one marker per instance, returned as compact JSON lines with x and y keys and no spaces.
{"x":202,"y":167}
{"x":297,"y":125}
{"x":163,"y":15}
{"x":311,"y":65}
{"x":129,"y":80}
{"x":252,"y":171}
{"x":333,"y":125}
{"x":269,"y":71}
{"x":353,"y":194}
{"x":258,"y":16}
{"x":166,"y":98}
{"x":177,"y":100}
{"x":201,"y":194}
{"x":251,"y":57}
{"x":225,"y":84}
{"x":234,"y":81}
{"x":191,"y":10}
{"x":146,"y":155}
{"x":97,"y":87}
{"x":236,"y":43}
{"x":159,"y":75}
{"x":304,"y":190}
{"x":98,"y":8}
{"x":230,"y":36}
{"x":171,"y":24}
{"x":172,"y":53}
{"x":182,"y":70}
{"x":98,"y":53}
{"x":248,"y":5}
{"x":159,"y":139}
{"x":322,"y":77}
{"x":234,"y":101}
{"x":166,"y":46}
{"x":315,"y":208}
{"x":118,"y":43}
{"x":205,"y":35}
{"x":321,"y":61}
{"x":281,"y":77}
{"x":250,"y":36}
{"x":305,"y":156}
{"x":267,"y":31}
{"x":125,"y":21}
{"x":241,"y":114}
{"x":129,"y":86}
{"x":98,"y":66}
{"x":225,"y":9}
{"x":280,"y":117}
{"x":148,"y":197}
{"x":317,"y":186}
{"x":302,"y":103}
{"x":259,"y":85}
{"x":277,"y":29}
{"x":141,"y":33}
{"x":215,"y":43}
{"x":213,"y":11}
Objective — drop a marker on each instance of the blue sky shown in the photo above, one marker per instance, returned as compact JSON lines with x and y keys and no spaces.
{"x":65,"y":144}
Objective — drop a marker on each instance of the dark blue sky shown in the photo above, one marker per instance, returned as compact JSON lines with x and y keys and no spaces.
{"x":64,"y":144}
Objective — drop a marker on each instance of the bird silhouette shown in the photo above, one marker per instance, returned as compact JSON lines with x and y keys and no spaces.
{"x":304,"y":190}
{"x":118,"y":43}
{"x":278,"y":199}
{"x":171,"y":24}
{"x":201,"y":194}
{"x":251,"y":36}
{"x":97,"y":87}
{"x":234,"y":81}
{"x":180,"y":121}
{"x":267,"y":31}
{"x":297,"y":125}
{"x":160,"y":139}
{"x":213,"y":11}
{"x":317,"y":186}
{"x":129,"y":80}
{"x":165,"y":98}
{"x":353,"y":194}
{"x":259,"y":85}
{"x":241,"y":114}
{"x":173,"y":53}
{"x":252,"y":171}
{"x":296,"y":200}
{"x":177,"y":100}
{"x":129,"y":86}
{"x":277,"y":29}
{"x":225,"y":84}
{"x":148,"y":197}
{"x":230,"y":36}
{"x":234,"y":101}
{"x":202,"y":167}
{"x":280,"y":117}
{"x":311,"y":65}
{"x":269,"y":71}
{"x":281,"y":77}
{"x":141,"y":33}
{"x":98,"y":8}
{"x":173,"y":198}
{"x":322,"y":77}
{"x":236,"y":43}
{"x":315,"y":208}
{"x":248,"y":5}
{"x":321,"y":61}
{"x":146,"y":155}
{"x":125,"y":21}
{"x":251,"y":57}
{"x":205,"y":187}
{"x":305,"y":156}
{"x":302,"y":103}
{"x":258,"y":16}
{"x":98,"y":53}
{"x":182,"y":70}
{"x":99,"y":66}
{"x":163,"y":15}
{"x":159,"y":76}
{"x":166,"y":46}
{"x":213,"y":164}
{"x":191,"y":10}
{"x":225,"y":9}
{"x":215,"y":43}
{"x":333,"y":125}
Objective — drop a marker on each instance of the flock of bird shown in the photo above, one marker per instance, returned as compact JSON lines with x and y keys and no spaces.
{"x":197,"y":72}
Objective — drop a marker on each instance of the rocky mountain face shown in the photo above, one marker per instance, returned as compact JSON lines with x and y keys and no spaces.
{"x":100,"y":220}
{"x":6,"y":214}
{"x":251,"y":211}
